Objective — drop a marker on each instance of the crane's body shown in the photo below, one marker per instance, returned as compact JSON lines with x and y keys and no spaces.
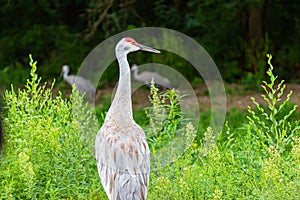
{"x":122,"y":153}
{"x":148,"y":76}
{"x":81,"y":84}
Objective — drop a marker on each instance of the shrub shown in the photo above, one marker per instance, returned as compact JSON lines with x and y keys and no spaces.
{"x":164,"y":117}
{"x":47,"y":149}
{"x":45,"y":157}
{"x":256,"y":160}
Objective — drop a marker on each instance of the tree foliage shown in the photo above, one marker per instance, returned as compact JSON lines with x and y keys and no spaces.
{"x":237,"y":34}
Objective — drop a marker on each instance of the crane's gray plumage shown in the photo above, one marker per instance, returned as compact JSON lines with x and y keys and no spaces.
{"x":81,"y":84}
{"x":147,"y":77}
{"x":122,"y":152}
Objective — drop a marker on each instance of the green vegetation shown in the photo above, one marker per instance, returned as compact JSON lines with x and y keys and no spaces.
{"x":259,"y":159}
{"x":47,"y":149}
{"x":164,"y":118}
{"x":48,"y":141}
{"x":44,"y":155}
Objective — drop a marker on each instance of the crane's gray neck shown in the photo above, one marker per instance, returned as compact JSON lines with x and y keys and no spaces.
{"x":65,"y":74}
{"x":121,"y":106}
{"x":135,"y":73}
{"x":66,"y":70}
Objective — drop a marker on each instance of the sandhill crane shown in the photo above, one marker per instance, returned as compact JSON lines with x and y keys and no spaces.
{"x":147,"y":77}
{"x":81,"y":84}
{"x":122,"y":152}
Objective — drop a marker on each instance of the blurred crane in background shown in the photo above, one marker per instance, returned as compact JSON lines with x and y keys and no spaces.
{"x":147,"y":76}
{"x":81,"y":84}
{"x":122,"y":152}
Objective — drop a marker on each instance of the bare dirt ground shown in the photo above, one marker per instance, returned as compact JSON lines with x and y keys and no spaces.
{"x":243,"y":100}
{"x":236,"y":96}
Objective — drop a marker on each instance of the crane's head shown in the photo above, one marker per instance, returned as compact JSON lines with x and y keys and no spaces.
{"x":65,"y":69}
{"x":127,"y":45}
{"x":134,"y":67}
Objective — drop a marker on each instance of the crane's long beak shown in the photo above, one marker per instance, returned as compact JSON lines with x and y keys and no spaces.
{"x":145,"y":48}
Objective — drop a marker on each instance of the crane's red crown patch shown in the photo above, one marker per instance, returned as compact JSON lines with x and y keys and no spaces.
{"x":131,"y":40}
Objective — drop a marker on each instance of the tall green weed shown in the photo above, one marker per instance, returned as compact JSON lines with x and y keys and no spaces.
{"x":44,"y":155}
{"x":272,"y":125}
{"x":47,"y":153}
{"x":259,"y":159}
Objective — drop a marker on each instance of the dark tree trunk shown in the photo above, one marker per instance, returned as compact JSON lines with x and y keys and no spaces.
{"x":253,"y":17}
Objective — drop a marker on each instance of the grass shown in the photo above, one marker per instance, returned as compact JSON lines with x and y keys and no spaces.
{"x":47,"y":152}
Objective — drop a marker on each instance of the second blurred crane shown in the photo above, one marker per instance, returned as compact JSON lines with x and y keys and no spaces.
{"x":147,"y":76}
{"x":82,"y":85}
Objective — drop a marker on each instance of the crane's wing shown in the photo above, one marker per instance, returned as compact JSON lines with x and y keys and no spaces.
{"x":123,"y":161}
{"x":147,"y":77}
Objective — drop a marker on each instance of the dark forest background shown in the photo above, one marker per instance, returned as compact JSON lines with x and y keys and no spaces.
{"x":237,"y":34}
